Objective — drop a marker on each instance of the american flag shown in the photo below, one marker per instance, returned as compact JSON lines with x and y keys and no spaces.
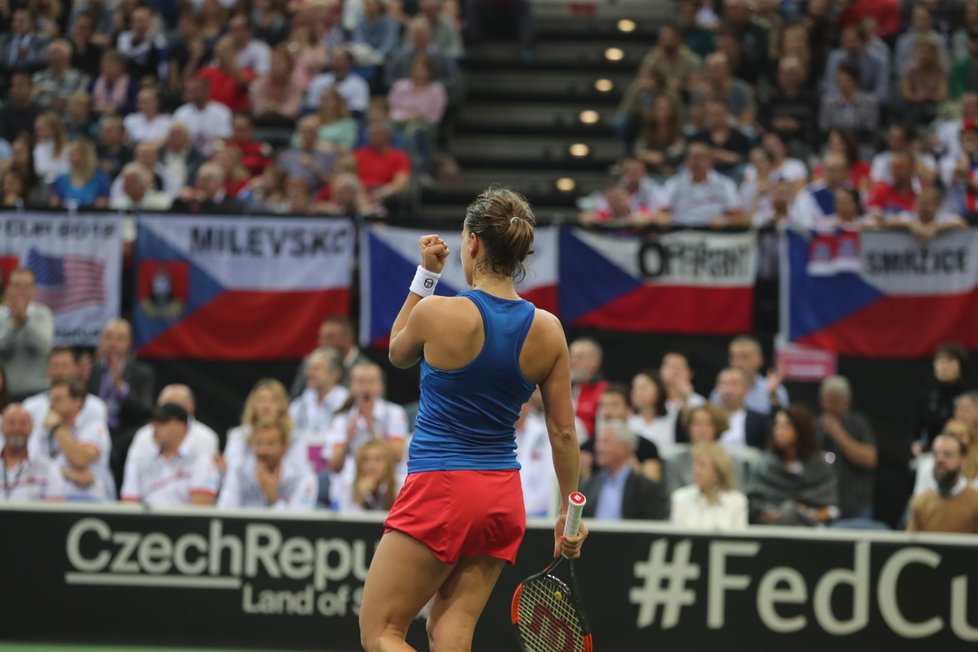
{"x":67,"y":282}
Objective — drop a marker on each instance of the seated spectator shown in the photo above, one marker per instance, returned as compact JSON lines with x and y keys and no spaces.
{"x":19,"y":113}
{"x":417,"y":105}
{"x":255,"y":154}
{"x":30,"y":478}
{"x":921,"y":30}
{"x":748,"y":428}
{"x":929,"y":218}
{"x":888,"y":200}
{"x":615,"y":209}
{"x":712,"y":500}
{"x":935,"y":405}
{"x":172,"y":474}
{"x":147,"y":158}
{"x":848,"y":108}
{"x":269,"y":23}
{"x":660,"y":144}
{"x":534,"y":453}
{"x":615,"y":405}
{"x":310,"y":55}
{"x":964,"y":70}
{"x":86,"y":52}
{"x":857,"y":170}
{"x":636,"y":104}
{"x":57,"y":82}
{"x":755,"y":191}
{"x":249,"y":53}
{"x":902,"y":138}
{"x":80,"y":450}
{"x":785,"y":167}
{"x":677,"y":378}
{"x":792,"y":110}
{"x":208,"y":194}
{"x":147,"y":124}
{"x":419,"y":40}
{"x":649,"y":418}
{"x":701,"y":425}
{"x":306,"y":159}
{"x":268,"y":477}
{"x":113,"y":92}
{"x":779,"y":211}
{"x":793,"y":484}
{"x":351,"y":86}
{"x":673,"y":61}
{"x":186,"y":53}
{"x":78,"y":120}
{"x":729,"y":146}
{"x":446,"y":36}
{"x":924,"y":82}
{"x":953,"y":507}
{"x":229,"y":83}
{"x":26,"y":334}
{"x":276,"y":97}
{"x":14,"y":192}
{"x":741,"y":22}
{"x":867,"y":69}
{"x":179,"y":159}
{"x":336,"y":332}
{"x":958,"y":171}
{"x":206,"y":121}
{"x":125,"y":384}
{"x":347,"y":197}
{"x":697,"y":36}
{"x":966,"y":433}
{"x":364,"y":417}
{"x":587,"y":383}
{"x":84,"y":185}
{"x":236,"y":175}
{"x":298,"y":198}
{"x":384,"y":171}
{"x":314,"y":410}
{"x":850,"y":446}
{"x":849,"y":213}
{"x":375,"y":484}
{"x":766,"y":393}
{"x":112,"y":151}
{"x":699,"y":195}
{"x":136,"y":193}
{"x":816,"y":202}
{"x":51,"y":148}
{"x":719,"y":84}
{"x":201,"y":439}
{"x":377,"y":30}
{"x":337,"y":128}
{"x":266,"y":192}
{"x":22,"y":48}
{"x":21,"y":162}
{"x":966,"y":411}
{"x":143,"y":46}
{"x":63,"y":365}
{"x":617,"y":492}
{"x":267,"y":402}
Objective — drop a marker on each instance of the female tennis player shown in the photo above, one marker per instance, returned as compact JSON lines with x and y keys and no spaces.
{"x":459,"y":516}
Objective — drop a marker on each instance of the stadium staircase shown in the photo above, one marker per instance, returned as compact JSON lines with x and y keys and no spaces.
{"x":543,"y":125}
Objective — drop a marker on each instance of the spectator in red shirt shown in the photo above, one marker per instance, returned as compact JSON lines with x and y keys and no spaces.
{"x":890,"y":199}
{"x":384,"y":171}
{"x":886,"y":14}
{"x":229,"y":83}
{"x":254,"y":153}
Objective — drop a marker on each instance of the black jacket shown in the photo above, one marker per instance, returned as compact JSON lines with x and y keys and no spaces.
{"x":641,"y":499}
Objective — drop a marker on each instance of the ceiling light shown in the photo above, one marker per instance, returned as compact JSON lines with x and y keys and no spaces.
{"x":604,"y":85}
{"x":626,"y":25}
{"x":566,"y":184}
{"x":579,"y":150}
{"x":614,"y":54}
{"x":589,"y":117}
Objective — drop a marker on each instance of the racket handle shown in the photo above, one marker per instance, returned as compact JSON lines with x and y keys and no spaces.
{"x":575,"y":507}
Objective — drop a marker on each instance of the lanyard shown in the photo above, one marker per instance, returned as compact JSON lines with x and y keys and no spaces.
{"x":7,"y":487}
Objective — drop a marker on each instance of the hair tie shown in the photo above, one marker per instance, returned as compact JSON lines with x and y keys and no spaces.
{"x":514,"y":218}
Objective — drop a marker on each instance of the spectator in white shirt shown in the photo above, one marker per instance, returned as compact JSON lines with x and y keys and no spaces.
{"x":178,"y":160}
{"x":765,"y":393}
{"x":351,"y":86}
{"x":677,"y":377}
{"x":51,"y":151}
{"x":268,"y":477}
{"x":201,"y":439}
{"x":375,"y":482}
{"x":249,"y":52}
{"x":267,"y":402}
{"x":172,"y":474}
{"x":25,"y":478}
{"x":535,"y":455}
{"x":712,"y":501}
{"x":80,"y":451}
{"x":137,"y":193}
{"x":747,"y":427}
{"x":148,"y":124}
{"x":335,"y":332}
{"x":206,"y":121}
{"x":650,"y":419}
{"x":700,"y":196}
{"x":315,"y":408}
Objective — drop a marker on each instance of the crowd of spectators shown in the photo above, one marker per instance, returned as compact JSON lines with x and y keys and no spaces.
{"x":307,"y":106}
{"x":817,"y":115}
{"x":91,"y":427}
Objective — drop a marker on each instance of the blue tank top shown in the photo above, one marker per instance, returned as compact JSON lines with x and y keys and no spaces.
{"x":466,"y":416}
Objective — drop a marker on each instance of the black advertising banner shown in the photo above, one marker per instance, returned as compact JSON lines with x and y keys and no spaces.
{"x":255,"y":580}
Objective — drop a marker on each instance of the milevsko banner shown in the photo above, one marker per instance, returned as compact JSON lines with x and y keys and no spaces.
{"x":207,"y":578}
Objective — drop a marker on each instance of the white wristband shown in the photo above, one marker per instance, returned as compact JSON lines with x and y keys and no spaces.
{"x":424,"y":282}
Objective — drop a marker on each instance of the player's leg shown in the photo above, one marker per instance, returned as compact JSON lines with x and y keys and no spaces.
{"x":459,"y":603}
{"x":403,"y":576}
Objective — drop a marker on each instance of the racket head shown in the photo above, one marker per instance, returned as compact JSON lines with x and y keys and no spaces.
{"x":547,"y":614}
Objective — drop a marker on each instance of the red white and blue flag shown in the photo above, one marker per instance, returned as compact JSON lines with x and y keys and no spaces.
{"x":239,"y":288}
{"x":77,"y":265}
{"x":683,"y":282}
{"x":880,"y":294}
{"x":389,"y":257}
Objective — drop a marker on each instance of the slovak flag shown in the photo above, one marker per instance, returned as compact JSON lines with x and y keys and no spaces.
{"x":389,"y":257}
{"x":67,"y":283}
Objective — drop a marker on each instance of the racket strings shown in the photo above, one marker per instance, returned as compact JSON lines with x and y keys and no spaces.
{"x":548,"y":620}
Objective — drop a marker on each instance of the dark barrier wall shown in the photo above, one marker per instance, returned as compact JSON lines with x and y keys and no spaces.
{"x":207,"y":578}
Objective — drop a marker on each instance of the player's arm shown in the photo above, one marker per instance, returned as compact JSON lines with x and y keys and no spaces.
{"x":407,"y":333}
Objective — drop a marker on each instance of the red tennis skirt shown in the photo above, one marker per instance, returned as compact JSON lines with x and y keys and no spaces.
{"x":462,"y":513}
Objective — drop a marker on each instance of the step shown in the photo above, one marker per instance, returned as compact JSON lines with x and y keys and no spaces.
{"x":522,"y":151}
{"x":552,"y":118}
{"x":539,"y":185}
{"x":560,"y":54}
{"x":546,"y":86}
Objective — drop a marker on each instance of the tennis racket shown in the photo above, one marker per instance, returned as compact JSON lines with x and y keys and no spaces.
{"x":546,"y":611}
